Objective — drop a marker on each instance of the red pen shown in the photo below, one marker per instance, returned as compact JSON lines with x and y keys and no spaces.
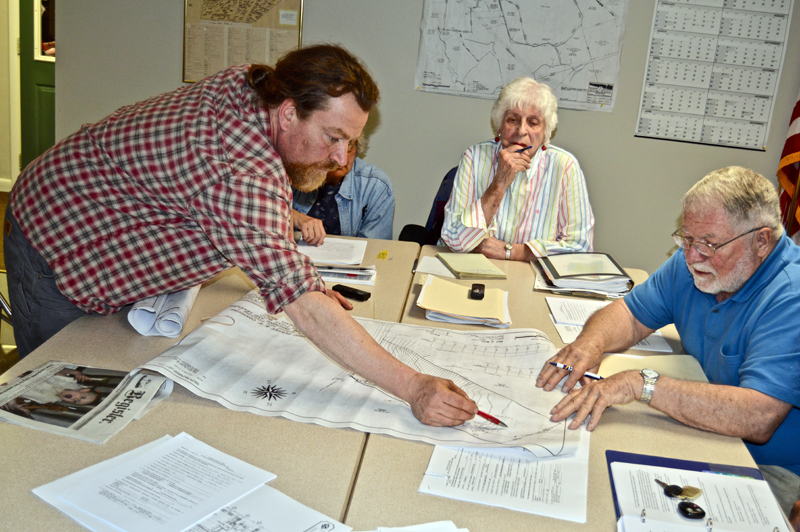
{"x":493,"y":419}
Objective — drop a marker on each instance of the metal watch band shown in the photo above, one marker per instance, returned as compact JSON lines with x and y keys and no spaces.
{"x":650,"y":377}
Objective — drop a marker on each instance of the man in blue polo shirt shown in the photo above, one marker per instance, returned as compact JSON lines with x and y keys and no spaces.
{"x":733,"y":292}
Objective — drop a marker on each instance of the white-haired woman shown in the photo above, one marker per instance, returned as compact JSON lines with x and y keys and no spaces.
{"x":518,"y":197}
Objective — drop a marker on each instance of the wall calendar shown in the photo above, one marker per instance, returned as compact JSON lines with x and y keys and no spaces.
{"x":712,"y":73}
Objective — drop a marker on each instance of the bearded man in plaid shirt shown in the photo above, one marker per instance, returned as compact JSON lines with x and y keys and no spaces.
{"x":165,"y":194}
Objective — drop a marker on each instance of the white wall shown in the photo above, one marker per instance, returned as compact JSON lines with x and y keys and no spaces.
{"x":114,"y":53}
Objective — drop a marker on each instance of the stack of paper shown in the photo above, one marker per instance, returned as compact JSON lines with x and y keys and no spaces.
{"x":570,"y":314}
{"x":177,"y":483}
{"x":596,"y":273}
{"x":348,"y":274}
{"x":335,"y":251}
{"x":337,"y":259}
{"x":471,"y":266}
{"x":450,"y":302}
{"x":555,"y":487}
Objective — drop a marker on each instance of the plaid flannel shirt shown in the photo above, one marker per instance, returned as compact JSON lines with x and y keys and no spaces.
{"x":162,"y":195}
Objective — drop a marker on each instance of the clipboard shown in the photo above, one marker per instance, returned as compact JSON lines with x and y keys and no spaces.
{"x":673,"y":463}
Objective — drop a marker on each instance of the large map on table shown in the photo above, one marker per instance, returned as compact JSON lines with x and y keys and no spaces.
{"x":475,"y":48}
{"x":251,"y":361}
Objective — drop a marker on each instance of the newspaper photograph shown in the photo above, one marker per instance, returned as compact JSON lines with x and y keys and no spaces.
{"x":84,"y":402}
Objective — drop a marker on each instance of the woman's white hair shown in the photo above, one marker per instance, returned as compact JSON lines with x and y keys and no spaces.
{"x":524,"y":93}
{"x":747,"y":197}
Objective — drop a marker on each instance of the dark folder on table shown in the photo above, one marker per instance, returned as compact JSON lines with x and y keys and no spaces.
{"x":673,"y":463}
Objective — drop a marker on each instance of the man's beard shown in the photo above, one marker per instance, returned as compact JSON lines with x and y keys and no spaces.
{"x":731,"y":283}
{"x":308,"y":177}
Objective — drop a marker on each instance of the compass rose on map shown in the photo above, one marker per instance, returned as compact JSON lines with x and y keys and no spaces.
{"x":269,"y":392}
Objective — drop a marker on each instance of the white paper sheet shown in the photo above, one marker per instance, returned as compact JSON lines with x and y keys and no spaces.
{"x":163,"y":315}
{"x":735,"y":504}
{"x":335,"y":251}
{"x":572,"y":311}
{"x":169,"y":488}
{"x":50,"y":492}
{"x":267,"y":510}
{"x":250,"y":361}
{"x":569,"y":315}
{"x":264,"y":507}
{"x":654,"y":342}
{"x":434,"y":266}
{"x":438,"y":526}
{"x":510,"y":478}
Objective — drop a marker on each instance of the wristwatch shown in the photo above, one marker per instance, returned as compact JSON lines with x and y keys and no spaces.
{"x":650,"y":377}
{"x":509,"y":247}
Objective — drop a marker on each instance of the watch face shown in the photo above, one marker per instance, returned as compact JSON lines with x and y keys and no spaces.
{"x":649,"y":373}
{"x":509,"y":247}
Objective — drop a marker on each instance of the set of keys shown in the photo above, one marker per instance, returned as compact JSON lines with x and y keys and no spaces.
{"x":686,"y":508}
{"x":685,"y":493}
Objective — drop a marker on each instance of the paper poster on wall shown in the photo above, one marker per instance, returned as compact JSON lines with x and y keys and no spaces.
{"x":476,"y":48}
{"x":713,"y":69}
{"x":222,"y":33}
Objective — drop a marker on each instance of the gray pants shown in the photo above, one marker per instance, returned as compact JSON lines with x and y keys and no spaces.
{"x":784,"y":484}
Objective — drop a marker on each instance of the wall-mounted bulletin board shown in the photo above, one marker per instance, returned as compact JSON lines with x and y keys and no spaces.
{"x":222,"y":33}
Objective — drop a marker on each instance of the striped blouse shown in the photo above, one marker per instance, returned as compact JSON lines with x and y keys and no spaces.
{"x":547,"y":207}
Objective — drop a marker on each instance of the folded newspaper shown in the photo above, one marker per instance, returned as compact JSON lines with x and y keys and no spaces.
{"x":83,"y":402}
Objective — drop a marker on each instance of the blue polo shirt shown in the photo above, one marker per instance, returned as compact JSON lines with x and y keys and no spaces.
{"x":751,"y":339}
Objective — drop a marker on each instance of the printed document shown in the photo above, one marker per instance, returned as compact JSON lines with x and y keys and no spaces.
{"x":511,"y":478}
{"x":263,"y":509}
{"x":171,"y":487}
{"x":569,"y":315}
{"x":335,"y":251}
{"x":735,"y":504}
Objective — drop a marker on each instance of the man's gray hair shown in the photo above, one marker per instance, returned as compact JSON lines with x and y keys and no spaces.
{"x":747,"y":197}
{"x":524,"y":93}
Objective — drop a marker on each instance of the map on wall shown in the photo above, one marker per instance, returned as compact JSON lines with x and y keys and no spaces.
{"x":475,"y":48}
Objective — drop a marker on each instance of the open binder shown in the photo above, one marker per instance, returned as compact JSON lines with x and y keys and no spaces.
{"x":758,"y":499}
{"x":597,"y":272}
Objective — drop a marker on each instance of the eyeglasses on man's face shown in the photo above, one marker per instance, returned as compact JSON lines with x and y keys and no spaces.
{"x":704,"y":248}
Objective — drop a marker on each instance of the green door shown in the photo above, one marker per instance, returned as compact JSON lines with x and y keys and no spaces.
{"x":37,"y":84}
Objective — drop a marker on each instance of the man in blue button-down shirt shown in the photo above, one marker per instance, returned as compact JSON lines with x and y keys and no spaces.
{"x":733,"y":292}
{"x":355,"y":200}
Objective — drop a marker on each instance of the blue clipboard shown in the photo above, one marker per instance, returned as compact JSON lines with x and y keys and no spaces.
{"x":674,"y":463}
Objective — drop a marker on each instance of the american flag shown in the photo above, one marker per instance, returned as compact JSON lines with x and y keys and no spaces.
{"x":788,"y":170}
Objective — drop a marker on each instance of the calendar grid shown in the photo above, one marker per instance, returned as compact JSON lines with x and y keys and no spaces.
{"x":712,"y":73}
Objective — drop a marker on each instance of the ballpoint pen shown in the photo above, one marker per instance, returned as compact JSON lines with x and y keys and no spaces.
{"x":493,"y":419}
{"x":569,"y":368}
{"x":523,"y":149}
